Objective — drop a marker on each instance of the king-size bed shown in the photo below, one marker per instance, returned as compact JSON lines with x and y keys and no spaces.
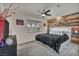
{"x":55,"y":37}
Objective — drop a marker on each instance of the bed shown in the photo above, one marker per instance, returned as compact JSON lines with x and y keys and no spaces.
{"x":52,"y":40}
{"x":55,"y":37}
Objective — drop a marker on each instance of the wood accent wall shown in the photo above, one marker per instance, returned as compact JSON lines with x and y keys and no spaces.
{"x":54,"y":23}
{"x":51,"y":23}
{"x":74,"y":19}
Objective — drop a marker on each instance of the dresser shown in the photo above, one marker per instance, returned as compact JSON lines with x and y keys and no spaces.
{"x":9,"y":50}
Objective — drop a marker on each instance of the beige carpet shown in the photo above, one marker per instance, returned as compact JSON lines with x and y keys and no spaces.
{"x":36,"y":48}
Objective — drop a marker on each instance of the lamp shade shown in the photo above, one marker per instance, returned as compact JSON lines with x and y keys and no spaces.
{"x":9,"y":41}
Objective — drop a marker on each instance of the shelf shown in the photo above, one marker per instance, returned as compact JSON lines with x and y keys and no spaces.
{"x":75,"y":40}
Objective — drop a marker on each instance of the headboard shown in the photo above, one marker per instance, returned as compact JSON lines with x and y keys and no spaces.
{"x":60,"y":31}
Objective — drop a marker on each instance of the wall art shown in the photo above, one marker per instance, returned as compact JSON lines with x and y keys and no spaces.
{"x":19,"y":22}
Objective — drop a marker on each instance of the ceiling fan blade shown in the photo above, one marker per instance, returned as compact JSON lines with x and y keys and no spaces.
{"x":48,"y":14}
{"x":47,"y":11}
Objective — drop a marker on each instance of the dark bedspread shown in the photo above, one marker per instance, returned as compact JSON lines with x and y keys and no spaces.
{"x":52,"y":40}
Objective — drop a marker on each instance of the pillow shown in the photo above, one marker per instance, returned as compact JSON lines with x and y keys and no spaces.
{"x":56,"y":32}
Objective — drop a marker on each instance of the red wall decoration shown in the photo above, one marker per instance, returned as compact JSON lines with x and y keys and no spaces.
{"x":1,"y":28}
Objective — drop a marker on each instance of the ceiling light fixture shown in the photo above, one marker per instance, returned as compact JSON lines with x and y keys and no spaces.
{"x":43,"y":15}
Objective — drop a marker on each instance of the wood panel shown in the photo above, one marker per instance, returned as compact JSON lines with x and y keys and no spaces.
{"x":63,"y":23}
{"x":75,"y":40}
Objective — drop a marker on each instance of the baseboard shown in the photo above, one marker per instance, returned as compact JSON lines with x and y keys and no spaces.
{"x":25,"y":42}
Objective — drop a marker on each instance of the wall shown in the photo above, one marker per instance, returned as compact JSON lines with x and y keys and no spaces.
{"x":21,"y":31}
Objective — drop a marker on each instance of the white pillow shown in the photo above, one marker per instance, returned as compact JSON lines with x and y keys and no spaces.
{"x":56,"y":32}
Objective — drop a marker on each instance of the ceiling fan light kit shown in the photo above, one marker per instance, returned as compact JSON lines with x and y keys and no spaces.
{"x":45,"y":13}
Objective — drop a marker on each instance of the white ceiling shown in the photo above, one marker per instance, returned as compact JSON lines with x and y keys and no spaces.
{"x":31,"y":9}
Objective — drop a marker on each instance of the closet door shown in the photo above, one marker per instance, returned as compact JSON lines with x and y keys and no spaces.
{"x":6,"y":29}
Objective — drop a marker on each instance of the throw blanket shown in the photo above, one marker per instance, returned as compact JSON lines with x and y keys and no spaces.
{"x":52,"y":40}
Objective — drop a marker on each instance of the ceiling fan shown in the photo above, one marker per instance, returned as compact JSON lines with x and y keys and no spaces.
{"x":45,"y":13}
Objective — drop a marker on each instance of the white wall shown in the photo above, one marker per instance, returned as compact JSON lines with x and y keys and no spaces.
{"x":21,"y":30}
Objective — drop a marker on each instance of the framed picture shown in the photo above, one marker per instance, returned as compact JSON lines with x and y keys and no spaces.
{"x":19,"y":22}
{"x":44,"y":24}
{"x":34,"y":26}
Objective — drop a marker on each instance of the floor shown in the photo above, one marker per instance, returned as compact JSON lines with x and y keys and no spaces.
{"x":36,"y":48}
